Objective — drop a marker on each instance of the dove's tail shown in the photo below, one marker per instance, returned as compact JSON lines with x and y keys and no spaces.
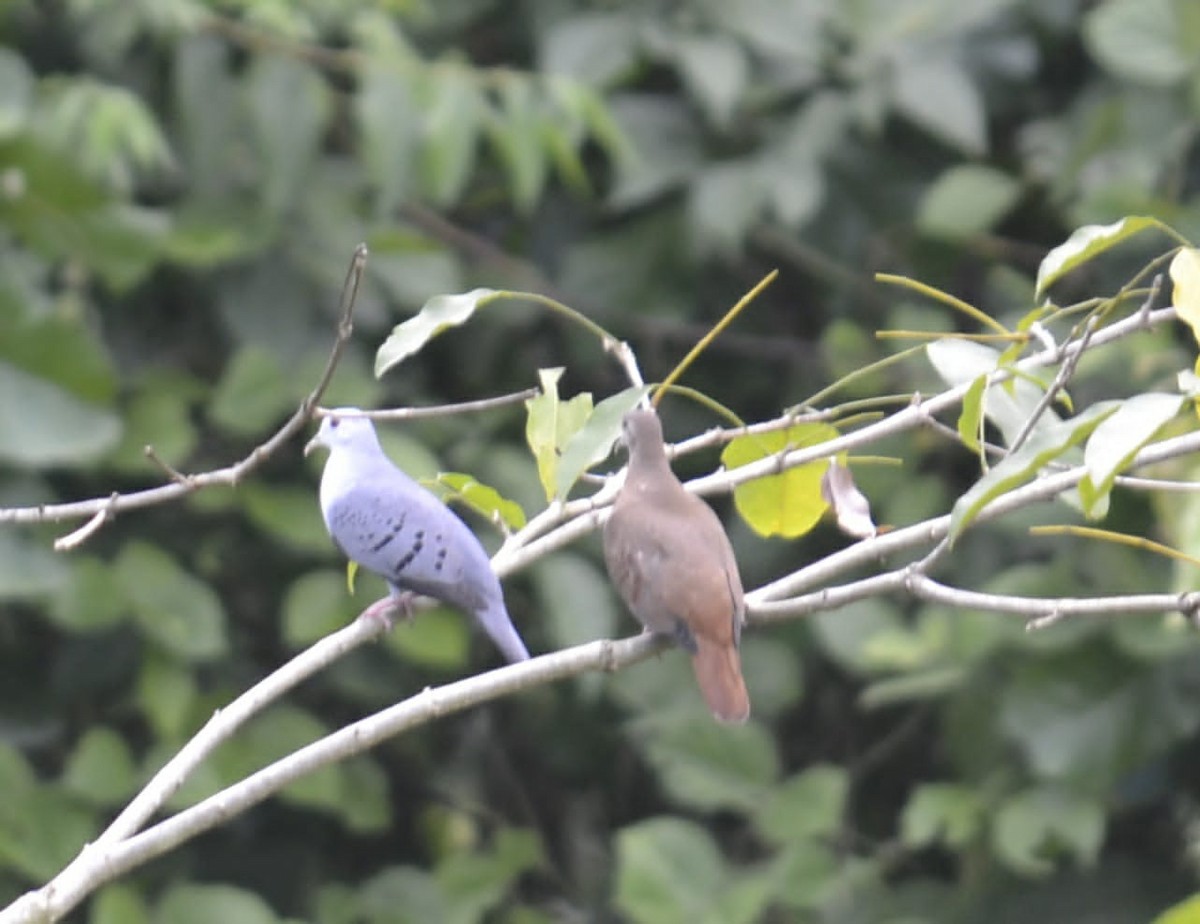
{"x":719,"y":674}
{"x":496,"y":622}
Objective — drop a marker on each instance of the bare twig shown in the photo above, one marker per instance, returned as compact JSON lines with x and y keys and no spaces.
{"x":440,"y":410}
{"x":171,"y":472}
{"x":232,"y":474}
{"x":75,"y":539}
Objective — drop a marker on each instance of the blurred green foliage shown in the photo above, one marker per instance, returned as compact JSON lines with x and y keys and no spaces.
{"x":182,"y":183}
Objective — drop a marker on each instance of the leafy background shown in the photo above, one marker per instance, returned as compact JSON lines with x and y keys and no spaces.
{"x":181,"y":186}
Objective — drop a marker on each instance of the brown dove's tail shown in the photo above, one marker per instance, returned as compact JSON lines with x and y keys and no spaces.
{"x":719,"y":674}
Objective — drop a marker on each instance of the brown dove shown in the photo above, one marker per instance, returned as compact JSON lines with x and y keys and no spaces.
{"x":672,"y":564}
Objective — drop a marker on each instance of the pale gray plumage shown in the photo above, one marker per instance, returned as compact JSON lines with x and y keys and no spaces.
{"x":382,"y":519}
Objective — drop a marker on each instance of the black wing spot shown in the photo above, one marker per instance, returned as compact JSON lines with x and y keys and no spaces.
{"x":394,"y":531}
{"x":411,"y":553}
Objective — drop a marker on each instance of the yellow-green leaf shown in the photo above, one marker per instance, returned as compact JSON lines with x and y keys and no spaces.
{"x":479,"y":497}
{"x":788,"y":504}
{"x":551,"y":424}
{"x":970,"y":420}
{"x":1185,"y":275}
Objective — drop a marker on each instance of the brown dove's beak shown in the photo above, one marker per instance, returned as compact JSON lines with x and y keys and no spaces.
{"x":312,"y":444}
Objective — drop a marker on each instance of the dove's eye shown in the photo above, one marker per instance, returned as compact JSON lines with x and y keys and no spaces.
{"x":333,"y":423}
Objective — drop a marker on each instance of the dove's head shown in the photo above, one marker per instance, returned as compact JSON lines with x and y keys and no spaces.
{"x":642,"y":435}
{"x":640,"y":427}
{"x":344,"y":427}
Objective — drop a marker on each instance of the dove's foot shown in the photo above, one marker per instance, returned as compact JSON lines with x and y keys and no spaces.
{"x":388,"y":608}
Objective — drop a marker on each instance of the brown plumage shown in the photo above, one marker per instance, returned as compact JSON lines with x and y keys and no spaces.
{"x":672,"y":564}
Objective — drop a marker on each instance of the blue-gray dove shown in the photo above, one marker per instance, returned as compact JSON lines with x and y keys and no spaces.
{"x":382,"y":519}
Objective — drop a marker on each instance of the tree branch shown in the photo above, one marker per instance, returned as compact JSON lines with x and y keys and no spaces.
{"x":107,"y":507}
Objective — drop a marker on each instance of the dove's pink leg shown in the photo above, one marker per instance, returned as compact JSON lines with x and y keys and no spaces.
{"x":387,"y":607}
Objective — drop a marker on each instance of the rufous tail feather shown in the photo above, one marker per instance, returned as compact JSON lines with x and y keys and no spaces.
{"x":719,"y":673}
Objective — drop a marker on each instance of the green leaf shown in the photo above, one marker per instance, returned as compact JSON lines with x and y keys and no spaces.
{"x":60,"y":350}
{"x":158,"y":415}
{"x":364,"y":803}
{"x":966,"y":200}
{"x":43,"y":425}
{"x":281,"y":731}
{"x":41,"y":828}
{"x":970,"y":418}
{"x":593,"y":47}
{"x":1007,"y":404}
{"x":788,"y":504}
{"x":846,"y":635}
{"x":514,"y":136}
{"x":314,"y":606}
{"x":939,"y":95}
{"x":1120,"y":437}
{"x":715,"y":71}
{"x":100,"y":770}
{"x":204,"y":904}
{"x":1084,"y":244}
{"x":917,"y":685}
{"x":207,"y":237}
{"x":774,"y":675}
{"x":474,"y":883}
{"x":166,"y":694}
{"x":669,"y":871}
{"x":711,"y":766}
{"x":593,"y":442}
{"x":1035,"y":827}
{"x":942,"y":813}
{"x":438,"y":638}
{"x":402,"y":895}
{"x":575,"y":600}
{"x":290,"y":103}
{"x":806,"y":806}
{"x":16,"y":89}
{"x":551,"y":425}
{"x":292,"y":515}
{"x":806,"y":874}
{"x":175,"y":609}
{"x":1141,"y":40}
{"x":437,"y":315}
{"x":389,"y":126}
{"x":29,"y":570}
{"x":484,"y":500}
{"x":1022,"y":466}
{"x":254,"y":393}
{"x":724,"y":202}
{"x":119,"y":903}
{"x":87,"y":599}
{"x":451,"y":136}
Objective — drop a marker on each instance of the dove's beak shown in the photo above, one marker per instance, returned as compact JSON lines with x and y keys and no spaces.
{"x":314,"y":443}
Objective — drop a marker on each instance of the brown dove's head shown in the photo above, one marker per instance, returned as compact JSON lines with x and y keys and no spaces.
{"x":641,"y":432}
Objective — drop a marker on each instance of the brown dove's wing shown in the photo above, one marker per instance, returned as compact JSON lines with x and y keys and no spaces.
{"x":716,"y":623}
{"x":671,"y":571}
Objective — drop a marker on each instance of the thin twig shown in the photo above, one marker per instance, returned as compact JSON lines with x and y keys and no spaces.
{"x":171,"y":472}
{"x":441,"y":410}
{"x":77,"y":538}
{"x":231,"y":474}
